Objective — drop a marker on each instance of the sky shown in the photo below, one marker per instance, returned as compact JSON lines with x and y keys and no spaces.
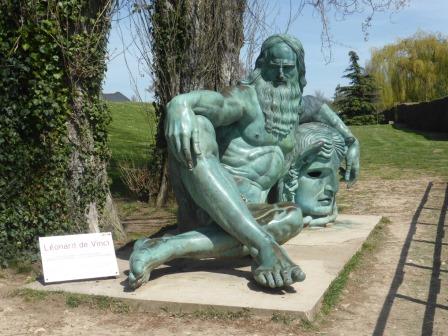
{"x":126,"y":71}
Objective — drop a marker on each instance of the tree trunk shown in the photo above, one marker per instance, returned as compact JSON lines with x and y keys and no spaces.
{"x":89,"y":196}
{"x":164,"y":186}
{"x":53,"y":123}
{"x":196,"y":45}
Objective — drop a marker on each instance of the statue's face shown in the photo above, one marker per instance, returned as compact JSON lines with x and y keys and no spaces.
{"x":317,"y":187}
{"x":280,"y":67}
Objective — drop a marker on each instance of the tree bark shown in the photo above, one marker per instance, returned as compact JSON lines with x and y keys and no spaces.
{"x":89,"y":197}
{"x":196,"y":45}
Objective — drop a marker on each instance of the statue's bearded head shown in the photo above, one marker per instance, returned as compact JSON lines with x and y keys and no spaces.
{"x":279,"y":78}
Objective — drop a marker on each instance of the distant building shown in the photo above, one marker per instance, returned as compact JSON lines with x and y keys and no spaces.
{"x":115,"y":97}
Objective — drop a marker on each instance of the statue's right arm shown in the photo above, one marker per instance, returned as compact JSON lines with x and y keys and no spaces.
{"x":181,"y":129}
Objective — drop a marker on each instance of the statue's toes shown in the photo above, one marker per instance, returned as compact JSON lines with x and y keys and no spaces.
{"x":260,"y":279}
{"x":133,"y":281}
{"x":287,"y":279}
{"x":297,"y":274}
{"x":138,"y":273}
{"x":278,"y":280}
{"x":270,"y":279}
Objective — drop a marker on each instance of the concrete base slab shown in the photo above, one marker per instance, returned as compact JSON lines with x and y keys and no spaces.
{"x":190,"y":285}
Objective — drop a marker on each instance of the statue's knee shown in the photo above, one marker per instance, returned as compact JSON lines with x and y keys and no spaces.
{"x":295,"y":218}
{"x":287,"y":222}
{"x":207,"y":136}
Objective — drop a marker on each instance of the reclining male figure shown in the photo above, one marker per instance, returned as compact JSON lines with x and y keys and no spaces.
{"x":226,"y":151}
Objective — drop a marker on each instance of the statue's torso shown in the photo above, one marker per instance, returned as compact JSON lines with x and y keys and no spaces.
{"x":254,"y":157}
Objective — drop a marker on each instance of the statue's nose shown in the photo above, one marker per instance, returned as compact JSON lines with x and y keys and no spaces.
{"x":331,"y":186}
{"x":281,"y":75}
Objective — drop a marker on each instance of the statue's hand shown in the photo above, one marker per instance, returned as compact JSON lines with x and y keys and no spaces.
{"x":321,"y":221}
{"x":352,"y":160}
{"x":182,"y":134}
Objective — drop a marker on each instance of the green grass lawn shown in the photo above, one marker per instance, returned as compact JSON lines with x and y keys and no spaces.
{"x":389,"y":152}
{"x":386,"y":152}
{"x":132,"y":130}
{"x":131,"y":135}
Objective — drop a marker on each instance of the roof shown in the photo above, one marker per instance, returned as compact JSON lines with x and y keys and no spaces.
{"x":115,"y":97}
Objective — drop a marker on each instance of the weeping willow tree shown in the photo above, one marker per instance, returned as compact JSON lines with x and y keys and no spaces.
{"x":410,"y":70}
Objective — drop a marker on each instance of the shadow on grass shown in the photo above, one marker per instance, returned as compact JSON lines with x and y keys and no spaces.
{"x":434,"y":136}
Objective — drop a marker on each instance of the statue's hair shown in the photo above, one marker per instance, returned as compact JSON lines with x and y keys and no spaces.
{"x":293,"y":43}
{"x":310,"y":133}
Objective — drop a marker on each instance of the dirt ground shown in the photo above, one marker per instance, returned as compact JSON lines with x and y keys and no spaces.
{"x":400,"y":288}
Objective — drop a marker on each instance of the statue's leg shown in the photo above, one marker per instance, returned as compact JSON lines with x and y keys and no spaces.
{"x":282,"y":221}
{"x":214,"y":190}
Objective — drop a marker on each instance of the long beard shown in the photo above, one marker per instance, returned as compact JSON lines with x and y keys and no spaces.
{"x":280,"y":106}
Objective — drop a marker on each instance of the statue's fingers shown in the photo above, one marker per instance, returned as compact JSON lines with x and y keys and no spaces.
{"x":356,"y":171}
{"x":354,"y":174}
{"x":186,"y":150}
{"x":322,"y":221}
{"x":348,"y":170}
{"x":195,"y":137}
{"x":174,"y":146}
{"x":352,"y":181}
{"x":333,"y":216}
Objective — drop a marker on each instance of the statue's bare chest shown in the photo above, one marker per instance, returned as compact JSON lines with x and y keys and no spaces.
{"x":252,"y":130}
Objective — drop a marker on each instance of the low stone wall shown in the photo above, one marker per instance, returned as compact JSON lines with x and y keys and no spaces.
{"x":425,"y":116}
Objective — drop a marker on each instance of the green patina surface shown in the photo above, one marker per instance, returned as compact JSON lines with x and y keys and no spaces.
{"x":229,"y":151}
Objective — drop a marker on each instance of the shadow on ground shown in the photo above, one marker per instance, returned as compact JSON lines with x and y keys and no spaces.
{"x":433,"y":136}
{"x":435,"y":282}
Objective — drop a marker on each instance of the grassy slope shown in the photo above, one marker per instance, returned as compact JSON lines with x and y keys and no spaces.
{"x":386,"y":152}
{"x":131,"y":134}
{"x":131,"y":131}
{"x":389,"y":152}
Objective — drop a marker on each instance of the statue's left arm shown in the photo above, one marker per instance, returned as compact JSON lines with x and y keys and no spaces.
{"x":315,"y":110}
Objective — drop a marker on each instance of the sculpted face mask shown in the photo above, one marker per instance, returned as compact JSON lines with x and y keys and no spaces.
{"x":312,"y":182}
{"x":317,"y":186}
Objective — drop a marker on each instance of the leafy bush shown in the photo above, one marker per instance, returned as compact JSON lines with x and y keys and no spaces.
{"x":425,"y":116}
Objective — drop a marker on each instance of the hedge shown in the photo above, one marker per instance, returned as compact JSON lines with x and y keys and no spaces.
{"x":426,"y":116}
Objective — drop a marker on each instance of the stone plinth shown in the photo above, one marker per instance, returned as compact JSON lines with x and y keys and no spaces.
{"x":189,"y":285}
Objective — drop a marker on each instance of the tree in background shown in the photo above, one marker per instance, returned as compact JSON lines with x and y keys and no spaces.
{"x":190,"y":45}
{"x":356,"y":101}
{"x":411,"y":70}
{"x":342,"y":9}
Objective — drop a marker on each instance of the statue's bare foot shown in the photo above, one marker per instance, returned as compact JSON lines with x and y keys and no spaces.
{"x":147,"y":255}
{"x":275,"y":269}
